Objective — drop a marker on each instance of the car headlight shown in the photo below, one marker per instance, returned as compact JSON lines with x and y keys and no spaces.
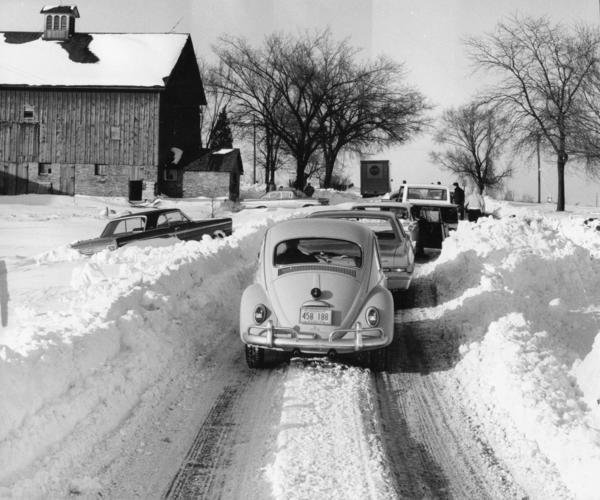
{"x":260,"y":314}
{"x":372,"y":316}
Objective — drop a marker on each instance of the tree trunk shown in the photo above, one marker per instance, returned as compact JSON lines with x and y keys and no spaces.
{"x":560,"y":168}
{"x":329,"y":163}
{"x":300,"y":171}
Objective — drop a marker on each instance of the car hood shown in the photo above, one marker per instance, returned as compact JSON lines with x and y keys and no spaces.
{"x":342,"y":292}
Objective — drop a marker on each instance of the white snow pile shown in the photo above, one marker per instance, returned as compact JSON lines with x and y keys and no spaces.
{"x":69,"y":376}
{"x":520,"y":298}
{"x":320,"y":426}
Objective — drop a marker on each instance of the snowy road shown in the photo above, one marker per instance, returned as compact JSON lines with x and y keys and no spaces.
{"x":122,"y":376}
{"x":428,"y":445}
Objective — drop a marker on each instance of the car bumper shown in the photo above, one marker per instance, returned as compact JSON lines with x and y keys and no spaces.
{"x":340,"y":340}
{"x":397,"y":280}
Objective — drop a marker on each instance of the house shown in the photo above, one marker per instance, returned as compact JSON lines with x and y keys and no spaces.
{"x":214,"y":174}
{"x":95,"y":113}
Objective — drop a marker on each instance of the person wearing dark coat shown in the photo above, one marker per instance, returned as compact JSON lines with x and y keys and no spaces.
{"x":459,"y":199}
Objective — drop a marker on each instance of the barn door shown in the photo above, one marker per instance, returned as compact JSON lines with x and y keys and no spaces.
{"x":67,"y":179}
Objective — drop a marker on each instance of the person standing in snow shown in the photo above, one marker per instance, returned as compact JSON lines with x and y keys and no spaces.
{"x":475,"y":205}
{"x":458,"y":198}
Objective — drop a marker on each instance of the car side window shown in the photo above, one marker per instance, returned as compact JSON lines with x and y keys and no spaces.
{"x":162,"y":221}
{"x":129,"y":225}
{"x":174,"y":216}
{"x":286,"y":195}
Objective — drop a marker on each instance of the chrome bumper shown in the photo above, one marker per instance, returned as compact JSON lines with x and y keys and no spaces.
{"x":359,"y":339}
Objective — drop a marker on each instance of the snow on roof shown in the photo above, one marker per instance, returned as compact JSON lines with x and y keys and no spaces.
{"x":60,"y":9}
{"x":89,"y":60}
{"x":223,"y":151}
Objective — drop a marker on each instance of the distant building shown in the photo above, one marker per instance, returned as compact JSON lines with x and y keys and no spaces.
{"x":87,"y":113}
{"x":213,"y":174}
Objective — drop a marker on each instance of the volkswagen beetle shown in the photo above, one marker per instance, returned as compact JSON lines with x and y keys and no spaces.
{"x":319,"y":290}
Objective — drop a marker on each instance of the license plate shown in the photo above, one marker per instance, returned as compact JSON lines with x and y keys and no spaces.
{"x":315,"y":316}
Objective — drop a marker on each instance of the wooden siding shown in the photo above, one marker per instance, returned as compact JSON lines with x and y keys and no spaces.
{"x":82,"y":126}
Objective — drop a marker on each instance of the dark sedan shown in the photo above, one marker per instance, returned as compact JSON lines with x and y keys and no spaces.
{"x":161,"y":223}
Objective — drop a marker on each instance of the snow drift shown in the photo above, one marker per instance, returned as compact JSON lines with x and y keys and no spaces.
{"x":519,"y":296}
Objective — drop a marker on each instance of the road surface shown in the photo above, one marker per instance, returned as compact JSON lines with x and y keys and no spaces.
{"x":311,"y":428}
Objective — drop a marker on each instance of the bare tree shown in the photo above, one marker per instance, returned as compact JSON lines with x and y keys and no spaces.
{"x":373,"y":109}
{"x":474,"y":136}
{"x":282,"y":86}
{"x":310,"y":93}
{"x":543,"y":69}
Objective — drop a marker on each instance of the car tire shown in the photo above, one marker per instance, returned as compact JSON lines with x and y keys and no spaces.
{"x":378,"y":360}
{"x":255,"y":356}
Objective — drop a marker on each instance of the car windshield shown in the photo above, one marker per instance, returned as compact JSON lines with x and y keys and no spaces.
{"x":318,"y":250}
{"x":122,"y":226}
{"x":423,"y":193}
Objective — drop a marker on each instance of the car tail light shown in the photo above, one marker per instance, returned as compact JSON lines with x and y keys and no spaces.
{"x":260,"y":314}
{"x":372,"y":316}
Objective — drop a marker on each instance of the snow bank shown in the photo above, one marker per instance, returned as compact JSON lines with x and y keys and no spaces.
{"x":520,"y":296}
{"x":77,"y":372}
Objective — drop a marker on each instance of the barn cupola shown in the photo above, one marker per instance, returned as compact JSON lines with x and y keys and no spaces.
{"x":59,"y":21}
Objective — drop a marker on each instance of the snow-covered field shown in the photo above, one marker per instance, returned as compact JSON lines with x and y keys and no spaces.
{"x":88,"y":340}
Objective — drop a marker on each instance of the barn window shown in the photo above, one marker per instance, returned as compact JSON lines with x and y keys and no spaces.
{"x":100,"y":170}
{"x":28,"y":112}
{"x":63,"y":23}
{"x":56,"y":22}
{"x":115,"y":133}
{"x":170,"y":174}
{"x":44,"y":169}
{"x":48,"y":22}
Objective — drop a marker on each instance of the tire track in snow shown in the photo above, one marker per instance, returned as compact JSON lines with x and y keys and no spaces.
{"x":433,"y":448}
{"x":198,"y":472}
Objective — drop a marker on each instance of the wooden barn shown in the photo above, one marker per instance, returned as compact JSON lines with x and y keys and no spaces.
{"x":95,"y":113}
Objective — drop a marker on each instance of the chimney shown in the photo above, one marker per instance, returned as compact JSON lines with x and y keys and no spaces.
{"x":59,"y":21}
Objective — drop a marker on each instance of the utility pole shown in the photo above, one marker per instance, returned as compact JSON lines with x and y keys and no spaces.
{"x":254,"y":148}
{"x":539,"y":170}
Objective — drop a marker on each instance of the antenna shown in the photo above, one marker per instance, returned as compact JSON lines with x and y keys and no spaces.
{"x":179,"y":20}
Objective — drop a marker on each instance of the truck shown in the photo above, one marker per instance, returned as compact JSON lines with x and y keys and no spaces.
{"x":374,"y":177}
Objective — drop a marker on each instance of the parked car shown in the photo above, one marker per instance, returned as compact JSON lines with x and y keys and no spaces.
{"x":411,"y":192}
{"x":319,"y":290}
{"x":400,"y":210}
{"x":427,"y":222}
{"x":283,"y":198}
{"x":160,"y":223}
{"x":435,"y":221}
{"x":396,"y":249}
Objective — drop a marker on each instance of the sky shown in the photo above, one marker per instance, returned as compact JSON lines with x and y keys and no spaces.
{"x":425,"y":35}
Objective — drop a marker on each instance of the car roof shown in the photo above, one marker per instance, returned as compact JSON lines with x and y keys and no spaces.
{"x":383,"y":203}
{"x":319,"y":228}
{"x":430,"y":203}
{"x":429,"y":186}
{"x":146,"y":213}
{"x":354,"y":213}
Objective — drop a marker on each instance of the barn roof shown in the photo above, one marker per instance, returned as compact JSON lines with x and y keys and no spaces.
{"x":224,"y":160}
{"x":89,"y":59}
